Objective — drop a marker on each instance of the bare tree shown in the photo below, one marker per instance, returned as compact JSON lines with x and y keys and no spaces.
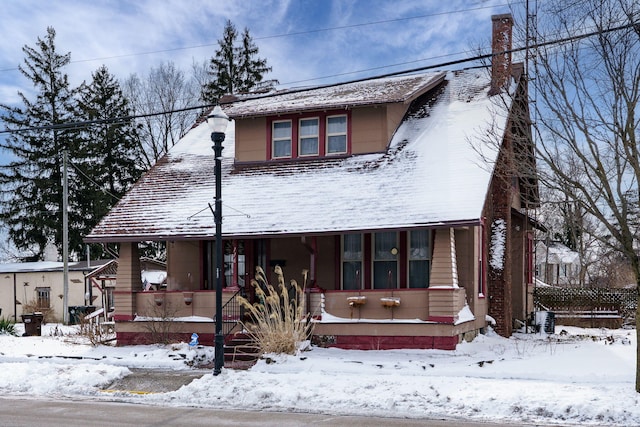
{"x":586,"y":92}
{"x":166,"y":89}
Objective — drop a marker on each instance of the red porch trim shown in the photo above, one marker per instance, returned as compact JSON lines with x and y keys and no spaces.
{"x":367,"y":265}
{"x":138,"y":338}
{"x":372,"y":342}
{"x":123,"y":317}
{"x":403,"y":260}
{"x":442,"y":319}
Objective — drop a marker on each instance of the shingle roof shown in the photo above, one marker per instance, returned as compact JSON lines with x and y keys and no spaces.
{"x":431,"y":174}
{"x":370,"y":92}
{"x":44,"y":266}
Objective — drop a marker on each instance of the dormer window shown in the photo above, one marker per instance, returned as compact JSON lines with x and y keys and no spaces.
{"x":309,"y":134}
{"x":337,"y":134}
{"x":281,"y":132}
{"x":312,"y":135}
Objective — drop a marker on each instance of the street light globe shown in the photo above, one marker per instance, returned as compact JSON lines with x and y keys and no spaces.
{"x":217,"y":120}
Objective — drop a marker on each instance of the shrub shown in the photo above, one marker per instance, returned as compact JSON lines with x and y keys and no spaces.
{"x":7,"y":326}
{"x":92,"y":330}
{"x":280,"y":323}
{"x":160,"y":323}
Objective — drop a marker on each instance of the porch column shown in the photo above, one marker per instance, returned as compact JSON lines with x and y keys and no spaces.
{"x":128,"y":282}
{"x":446,"y":298}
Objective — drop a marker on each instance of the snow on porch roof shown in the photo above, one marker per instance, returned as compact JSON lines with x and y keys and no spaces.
{"x":385,"y":90}
{"x":430,"y":175}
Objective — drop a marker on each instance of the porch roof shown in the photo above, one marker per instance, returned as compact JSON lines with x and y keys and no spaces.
{"x":430,"y":175}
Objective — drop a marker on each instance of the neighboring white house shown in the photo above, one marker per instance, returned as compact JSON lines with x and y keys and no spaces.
{"x":556,"y":264}
{"x":40,"y":285}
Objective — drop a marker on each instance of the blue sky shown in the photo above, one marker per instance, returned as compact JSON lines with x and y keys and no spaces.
{"x":131,"y":36}
{"x":307,"y":42}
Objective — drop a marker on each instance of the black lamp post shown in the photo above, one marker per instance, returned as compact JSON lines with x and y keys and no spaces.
{"x":217,"y":122}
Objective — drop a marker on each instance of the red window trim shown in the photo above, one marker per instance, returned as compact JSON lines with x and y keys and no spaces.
{"x":529,"y":267}
{"x":322,"y":137}
{"x":482,"y":268}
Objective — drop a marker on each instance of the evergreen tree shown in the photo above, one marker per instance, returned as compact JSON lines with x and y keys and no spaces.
{"x":31,"y":184}
{"x":235,"y":69}
{"x":107,"y":160}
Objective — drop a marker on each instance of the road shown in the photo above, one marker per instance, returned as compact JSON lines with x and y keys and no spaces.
{"x":28,"y":412}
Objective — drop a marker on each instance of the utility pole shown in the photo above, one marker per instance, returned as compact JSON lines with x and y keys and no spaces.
{"x":65,"y":239}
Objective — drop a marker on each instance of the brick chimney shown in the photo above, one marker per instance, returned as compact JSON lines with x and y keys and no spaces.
{"x":501,"y":42}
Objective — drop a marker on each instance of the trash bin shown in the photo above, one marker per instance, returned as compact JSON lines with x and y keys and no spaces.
{"x":32,"y":324}
{"x":77,"y":312}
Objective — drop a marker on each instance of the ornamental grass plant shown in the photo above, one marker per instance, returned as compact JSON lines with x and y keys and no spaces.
{"x":279,"y":322}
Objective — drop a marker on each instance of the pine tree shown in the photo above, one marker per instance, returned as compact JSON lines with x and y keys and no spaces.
{"x":31,"y":184}
{"x":108,"y":158}
{"x":235,"y":69}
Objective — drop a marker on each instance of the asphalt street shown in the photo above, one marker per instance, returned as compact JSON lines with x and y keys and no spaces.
{"x":30,"y":412}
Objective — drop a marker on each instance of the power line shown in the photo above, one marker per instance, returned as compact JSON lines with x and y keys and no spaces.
{"x":98,"y":186}
{"x":282,"y":35}
{"x":560,"y":41}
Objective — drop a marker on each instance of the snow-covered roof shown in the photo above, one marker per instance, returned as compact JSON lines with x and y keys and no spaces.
{"x":380,"y":91}
{"x":431,"y":174}
{"x":556,"y":253}
{"x":44,"y":266}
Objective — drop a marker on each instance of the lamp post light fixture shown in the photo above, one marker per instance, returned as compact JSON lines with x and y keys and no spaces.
{"x":217,"y":122}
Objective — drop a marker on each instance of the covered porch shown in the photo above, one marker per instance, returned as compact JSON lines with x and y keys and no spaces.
{"x":417,"y":288}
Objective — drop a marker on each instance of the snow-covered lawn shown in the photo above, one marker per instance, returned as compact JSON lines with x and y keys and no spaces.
{"x":576,"y":376}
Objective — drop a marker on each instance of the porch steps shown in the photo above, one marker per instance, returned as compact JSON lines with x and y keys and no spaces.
{"x":240,"y":351}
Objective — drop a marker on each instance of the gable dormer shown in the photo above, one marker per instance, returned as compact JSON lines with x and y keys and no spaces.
{"x":325,"y":122}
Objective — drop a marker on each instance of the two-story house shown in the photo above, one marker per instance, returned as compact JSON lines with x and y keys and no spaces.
{"x":406,"y":198}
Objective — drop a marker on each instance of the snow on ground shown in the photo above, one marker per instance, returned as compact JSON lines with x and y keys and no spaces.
{"x":576,"y":376}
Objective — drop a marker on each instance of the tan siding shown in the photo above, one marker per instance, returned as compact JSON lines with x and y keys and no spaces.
{"x":395,"y":113}
{"x":128,"y":279}
{"x":446,"y":303}
{"x":371,"y":131}
{"x":466,"y":259}
{"x":414,"y":304}
{"x":368,"y":130}
{"x":251,"y":140}
{"x":326,"y":256}
{"x":443,"y":267}
{"x":373,"y":127}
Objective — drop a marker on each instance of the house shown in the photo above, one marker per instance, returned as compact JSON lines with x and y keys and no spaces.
{"x":411,"y":238}
{"x":39,"y":286}
{"x":556,"y":264}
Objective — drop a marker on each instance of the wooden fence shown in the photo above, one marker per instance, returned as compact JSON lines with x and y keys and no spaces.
{"x":596,"y":306}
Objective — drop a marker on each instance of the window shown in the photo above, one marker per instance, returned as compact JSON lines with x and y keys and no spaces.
{"x":281,"y":139}
{"x":336,"y":134}
{"x":43,"y":297}
{"x":234,"y":263}
{"x":419,"y":259}
{"x":316,"y":134}
{"x":308,"y":134}
{"x":352,"y":261}
{"x":385,"y":260}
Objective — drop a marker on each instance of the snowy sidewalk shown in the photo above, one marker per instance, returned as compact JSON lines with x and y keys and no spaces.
{"x":574,"y":377}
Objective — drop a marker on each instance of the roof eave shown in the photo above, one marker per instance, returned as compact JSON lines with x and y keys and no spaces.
{"x":122,"y":238}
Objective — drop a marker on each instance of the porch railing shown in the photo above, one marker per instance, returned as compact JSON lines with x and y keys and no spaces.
{"x":232,"y":313}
